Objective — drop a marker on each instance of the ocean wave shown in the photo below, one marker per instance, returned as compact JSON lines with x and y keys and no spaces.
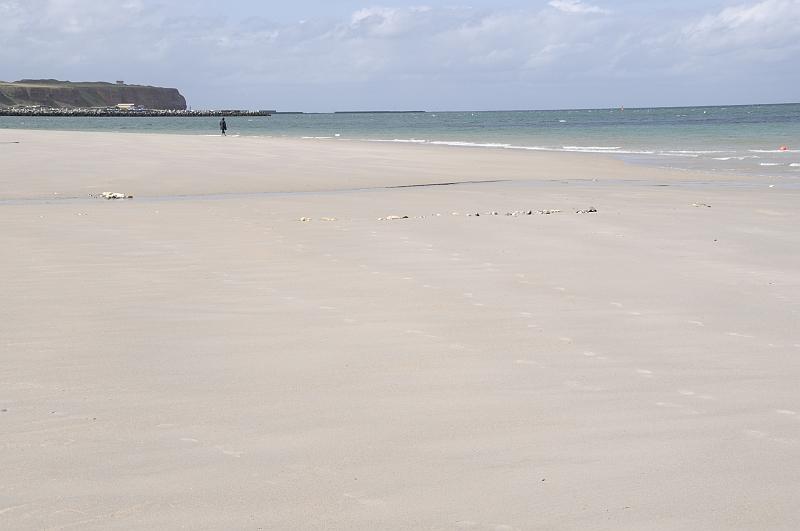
{"x":614,"y":150}
{"x":770,"y":164}
{"x":316,"y":137}
{"x":774,"y":150}
{"x":602,"y":150}
{"x":401,"y":140}
{"x":590,"y":148}
{"x":468,"y":144}
{"x":697,"y":152}
{"x":745,"y":157}
{"x":795,"y":164}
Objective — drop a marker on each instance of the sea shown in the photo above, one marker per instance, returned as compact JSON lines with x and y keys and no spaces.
{"x":757,"y":140}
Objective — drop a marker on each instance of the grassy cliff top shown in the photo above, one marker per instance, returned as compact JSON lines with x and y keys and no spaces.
{"x":52,"y":83}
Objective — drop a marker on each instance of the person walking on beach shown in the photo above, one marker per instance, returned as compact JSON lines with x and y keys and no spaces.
{"x":223,"y":126}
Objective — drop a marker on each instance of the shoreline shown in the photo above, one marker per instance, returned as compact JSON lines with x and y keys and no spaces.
{"x":248,"y":157}
{"x":682,"y":162}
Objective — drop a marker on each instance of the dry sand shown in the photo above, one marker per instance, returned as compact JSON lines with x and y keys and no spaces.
{"x":197,"y":358}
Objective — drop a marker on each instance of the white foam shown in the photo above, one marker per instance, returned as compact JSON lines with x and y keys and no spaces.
{"x":696,"y":152}
{"x":774,"y":150}
{"x":615,"y":150}
{"x":745,"y":157}
{"x":316,"y":137}
{"x":470,"y":144}
{"x":771,"y":164}
{"x":402,"y":141}
{"x":686,"y":155}
{"x":795,"y":164}
{"x":591,"y":148}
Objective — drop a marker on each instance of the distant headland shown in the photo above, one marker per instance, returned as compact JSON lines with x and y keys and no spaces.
{"x":51,"y":97}
{"x":55,"y":94}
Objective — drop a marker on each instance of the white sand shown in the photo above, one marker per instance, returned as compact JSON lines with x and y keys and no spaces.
{"x":197,"y":358}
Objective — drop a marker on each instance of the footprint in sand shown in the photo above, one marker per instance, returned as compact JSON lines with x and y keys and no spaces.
{"x":363,"y":500}
{"x":743,"y":336}
{"x":671,"y":405}
{"x":688,"y":393}
{"x":762,"y":435}
{"x":578,"y":386}
{"x":230,"y":453}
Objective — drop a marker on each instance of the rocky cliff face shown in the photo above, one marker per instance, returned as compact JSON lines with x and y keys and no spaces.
{"x":63,"y":94}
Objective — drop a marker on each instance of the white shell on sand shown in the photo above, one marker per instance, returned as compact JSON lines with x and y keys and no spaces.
{"x":113,"y":195}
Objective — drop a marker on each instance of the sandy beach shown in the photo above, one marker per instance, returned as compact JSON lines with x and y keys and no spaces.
{"x":199,"y":358}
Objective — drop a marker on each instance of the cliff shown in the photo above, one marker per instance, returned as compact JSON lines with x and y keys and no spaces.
{"x":64,"y":94}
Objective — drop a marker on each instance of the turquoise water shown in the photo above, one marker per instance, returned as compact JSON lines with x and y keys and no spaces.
{"x":735,"y":139}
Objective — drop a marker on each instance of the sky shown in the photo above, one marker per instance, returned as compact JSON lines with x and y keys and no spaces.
{"x":320,"y":56}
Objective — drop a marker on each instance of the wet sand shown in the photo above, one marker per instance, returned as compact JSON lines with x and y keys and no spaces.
{"x":199,"y":358}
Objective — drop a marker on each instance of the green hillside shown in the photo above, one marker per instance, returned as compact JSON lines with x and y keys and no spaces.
{"x":66,"y":94}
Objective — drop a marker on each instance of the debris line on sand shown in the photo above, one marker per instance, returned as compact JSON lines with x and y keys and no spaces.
{"x":111,"y":196}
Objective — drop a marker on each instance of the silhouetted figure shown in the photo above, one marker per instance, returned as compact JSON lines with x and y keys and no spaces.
{"x":223,"y":126}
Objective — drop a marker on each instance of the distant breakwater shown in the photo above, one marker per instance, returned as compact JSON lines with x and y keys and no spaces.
{"x":124,"y":113}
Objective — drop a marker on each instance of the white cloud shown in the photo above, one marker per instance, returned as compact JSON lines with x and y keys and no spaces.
{"x":769,"y":24}
{"x":576,"y":6}
{"x":388,"y":22}
{"x":395,"y":52}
